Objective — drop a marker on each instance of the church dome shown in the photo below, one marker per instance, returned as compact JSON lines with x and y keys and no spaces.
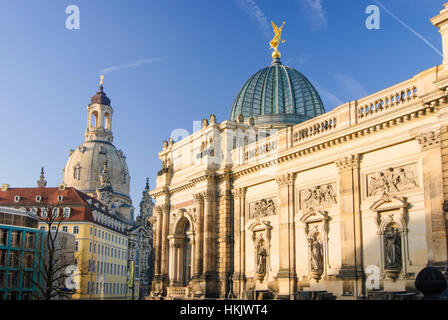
{"x":85,"y":165}
{"x":277,"y":95}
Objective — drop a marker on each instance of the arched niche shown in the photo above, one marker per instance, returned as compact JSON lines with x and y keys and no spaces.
{"x":391,"y":220}
{"x":181,"y":251}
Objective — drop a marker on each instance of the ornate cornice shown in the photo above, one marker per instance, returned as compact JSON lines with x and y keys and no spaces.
{"x":429,"y":140}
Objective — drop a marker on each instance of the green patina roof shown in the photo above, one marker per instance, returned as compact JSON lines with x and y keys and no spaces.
{"x":279,"y":94}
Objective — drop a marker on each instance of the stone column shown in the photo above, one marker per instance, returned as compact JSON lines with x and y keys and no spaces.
{"x":208,"y":227}
{"x":164,"y":242}
{"x":352,"y":270}
{"x":172,"y":261}
{"x":198,"y":201}
{"x":286,"y":275}
{"x":436,"y":233}
{"x":238,"y":203}
{"x":158,"y":240}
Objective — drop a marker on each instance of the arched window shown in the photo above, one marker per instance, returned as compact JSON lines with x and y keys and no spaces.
{"x":94,"y":119}
{"x":107,"y":121}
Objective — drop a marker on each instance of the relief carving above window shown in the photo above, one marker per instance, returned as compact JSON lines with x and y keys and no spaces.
{"x":392,"y":180}
{"x":262,"y":208}
{"x":318,"y":196}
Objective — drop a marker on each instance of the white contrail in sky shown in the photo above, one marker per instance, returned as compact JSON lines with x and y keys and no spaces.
{"x":409,"y":28}
{"x":130,"y":65}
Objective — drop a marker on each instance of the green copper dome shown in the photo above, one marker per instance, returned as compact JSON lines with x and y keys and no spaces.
{"x":277,"y":95}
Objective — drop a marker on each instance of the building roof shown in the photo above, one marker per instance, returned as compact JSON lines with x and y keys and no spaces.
{"x":277,"y":95}
{"x":82,"y":207}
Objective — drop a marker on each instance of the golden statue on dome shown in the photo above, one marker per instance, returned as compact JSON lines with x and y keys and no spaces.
{"x":276,"y":40}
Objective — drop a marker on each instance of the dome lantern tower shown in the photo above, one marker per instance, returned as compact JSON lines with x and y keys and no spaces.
{"x":99,"y":117}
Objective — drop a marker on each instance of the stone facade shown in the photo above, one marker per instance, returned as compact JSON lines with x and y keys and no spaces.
{"x":311,"y":206}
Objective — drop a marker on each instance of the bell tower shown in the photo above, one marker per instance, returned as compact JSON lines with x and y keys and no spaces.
{"x":99,"y":117}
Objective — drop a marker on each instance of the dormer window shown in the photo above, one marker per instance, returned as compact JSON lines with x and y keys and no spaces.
{"x":66,"y":212}
{"x":60,"y":198}
{"x":16,"y":198}
{"x":38,"y":198}
{"x":43,"y":212}
{"x":89,"y":201}
{"x":97,"y":205}
{"x":55,"y":213}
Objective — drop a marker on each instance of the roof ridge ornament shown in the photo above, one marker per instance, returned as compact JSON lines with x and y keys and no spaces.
{"x":276,"y":40}
{"x":101,"y":83}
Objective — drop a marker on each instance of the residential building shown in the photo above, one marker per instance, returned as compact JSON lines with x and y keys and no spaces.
{"x":21,"y":247}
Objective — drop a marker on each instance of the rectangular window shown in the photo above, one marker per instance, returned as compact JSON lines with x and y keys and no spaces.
{"x":13,"y":279}
{"x":102,"y":267}
{"x":14,"y":259}
{"x":43,"y":212}
{"x":2,"y":279}
{"x":65,"y":228}
{"x":76,"y":245}
{"x":53,"y":228}
{"x":97,"y":266}
{"x":95,"y":232}
{"x":16,"y":238}
{"x":97,"y":288}
{"x":90,"y":246}
{"x":28,"y":279}
{"x":90,"y":266}
{"x":3,"y":258}
{"x":29,"y":240}
{"x":94,"y":248}
{"x":3,"y":238}
{"x":29,"y":259}
{"x":13,"y":295}
{"x":42,"y":228}
{"x":75,"y":229}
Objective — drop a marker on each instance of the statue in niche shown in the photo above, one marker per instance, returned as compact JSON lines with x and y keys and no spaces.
{"x":392,"y":246}
{"x":316,"y":255}
{"x":261,"y":260}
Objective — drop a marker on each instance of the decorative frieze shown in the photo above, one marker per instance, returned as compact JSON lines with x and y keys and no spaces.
{"x":262,"y":208}
{"x":318,"y":196}
{"x":392,"y":180}
{"x":429,"y":140}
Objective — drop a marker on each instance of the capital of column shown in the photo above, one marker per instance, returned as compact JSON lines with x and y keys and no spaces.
{"x":349,"y":162}
{"x":285,"y":179}
{"x":429,"y":140}
{"x":208,"y":194}
{"x":239,"y":192}
{"x":158,"y":209}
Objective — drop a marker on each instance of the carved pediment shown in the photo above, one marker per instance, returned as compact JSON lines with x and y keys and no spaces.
{"x":387,"y":203}
{"x":314,"y":216}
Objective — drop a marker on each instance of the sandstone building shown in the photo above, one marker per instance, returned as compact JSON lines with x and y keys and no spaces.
{"x":284,"y":198}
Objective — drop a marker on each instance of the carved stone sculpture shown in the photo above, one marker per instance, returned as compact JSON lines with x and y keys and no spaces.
{"x":318,"y":196}
{"x":262,"y":208}
{"x":391,"y":180}
{"x":392,"y":247}
{"x":261,"y":260}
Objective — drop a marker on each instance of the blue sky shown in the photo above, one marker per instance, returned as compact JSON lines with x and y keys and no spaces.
{"x":167,"y":63}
